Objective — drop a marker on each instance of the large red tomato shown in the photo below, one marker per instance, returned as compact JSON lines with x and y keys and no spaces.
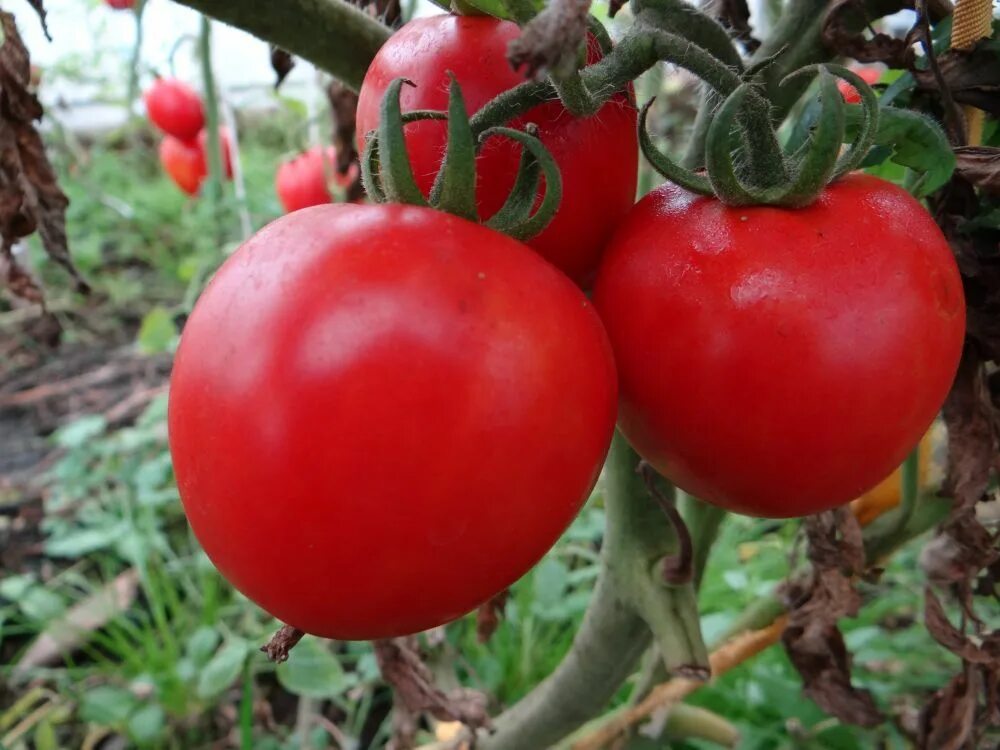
{"x":781,"y":362}
{"x":175,"y":108}
{"x":304,"y":181}
{"x":381,"y":416}
{"x":597,"y":156}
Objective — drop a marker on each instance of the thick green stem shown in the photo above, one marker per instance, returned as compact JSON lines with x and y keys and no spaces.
{"x":332,"y":34}
{"x":212,"y":189}
{"x":629,"y":603}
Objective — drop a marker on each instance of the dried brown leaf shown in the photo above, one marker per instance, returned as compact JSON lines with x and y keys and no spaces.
{"x":282,"y":64}
{"x":938,"y":625}
{"x":552,"y":40}
{"x":812,"y":639}
{"x":842,"y":34}
{"x":344,"y":106}
{"x":30,"y":198}
{"x":281,"y":643}
{"x":735,"y":15}
{"x":39,"y":7}
{"x":488,"y":616}
{"x":972,"y":76}
{"x":948,"y":720}
{"x":402,"y":668}
{"x":980,"y":165}
{"x":70,"y":631}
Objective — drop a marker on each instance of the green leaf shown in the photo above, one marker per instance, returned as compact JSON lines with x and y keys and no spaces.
{"x":312,"y":671}
{"x":107,"y":706}
{"x":917,"y":142}
{"x":42,"y":605}
{"x":146,"y":724}
{"x":14,"y":587}
{"x":202,"y":643}
{"x":80,"y":543}
{"x":45,"y":736}
{"x":157,"y":331}
{"x":223,"y":669}
{"x":80,"y":431}
{"x":550,"y":581}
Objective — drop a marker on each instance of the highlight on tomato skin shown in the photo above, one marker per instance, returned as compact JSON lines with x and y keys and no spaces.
{"x":597,"y":156}
{"x":382,"y":416}
{"x":781,"y":362}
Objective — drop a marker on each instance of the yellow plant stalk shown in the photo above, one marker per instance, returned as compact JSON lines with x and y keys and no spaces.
{"x":972,"y":21}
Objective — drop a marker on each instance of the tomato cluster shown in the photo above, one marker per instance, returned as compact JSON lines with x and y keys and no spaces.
{"x":382,"y":415}
{"x":177,"y":110}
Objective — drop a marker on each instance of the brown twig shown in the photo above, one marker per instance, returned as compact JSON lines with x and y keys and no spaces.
{"x":953,"y":117}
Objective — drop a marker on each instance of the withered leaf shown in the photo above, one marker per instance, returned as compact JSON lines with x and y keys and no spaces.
{"x":972,"y":76}
{"x":735,"y":14}
{"x":30,"y":198}
{"x":344,"y":106}
{"x":971,"y":435}
{"x":842,"y":33}
{"x":552,"y":40}
{"x":938,"y":625}
{"x":39,"y":7}
{"x":403,"y":669}
{"x":488,"y":616}
{"x":282,"y":64}
{"x":980,"y":165}
{"x":948,"y":720}
{"x":812,"y":639}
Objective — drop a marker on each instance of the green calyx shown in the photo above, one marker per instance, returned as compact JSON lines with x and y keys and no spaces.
{"x":737,"y":178}
{"x":388,"y":175}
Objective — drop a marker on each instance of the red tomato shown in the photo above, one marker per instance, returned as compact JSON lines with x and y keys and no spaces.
{"x":868,"y":74}
{"x":227,"y":149}
{"x":175,"y":108}
{"x":185,"y":163}
{"x":598,"y":156}
{"x":381,"y":416}
{"x":781,"y":362}
{"x":120,"y":4}
{"x":303,"y":181}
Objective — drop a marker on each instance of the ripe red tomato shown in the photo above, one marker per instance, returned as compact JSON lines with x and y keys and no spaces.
{"x":781,"y":362}
{"x":869,"y":75}
{"x":303,"y":181}
{"x":175,"y":108}
{"x":598,"y":156}
{"x":120,"y":4}
{"x":186,"y":161}
{"x":381,"y":416}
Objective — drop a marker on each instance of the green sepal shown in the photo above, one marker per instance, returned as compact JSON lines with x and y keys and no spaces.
{"x":821,"y":153}
{"x":396,"y":172}
{"x":663,"y":164}
{"x":370,"y":169}
{"x":531,"y":224}
{"x":726,"y":184}
{"x":454,"y":187}
{"x":859,"y":148}
{"x":517,"y":208}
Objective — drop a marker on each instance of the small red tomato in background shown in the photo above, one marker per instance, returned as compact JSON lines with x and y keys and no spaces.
{"x":381,"y":416}
{"x":781,"y":362}
{"x":227,"y":150}
{"x":597,"y":156}
{"x":186,"y":161}
{"x":869,"y":75}
{"x":175,"y":108}
{"x":120,"y":4}
{"x":304,"y":181}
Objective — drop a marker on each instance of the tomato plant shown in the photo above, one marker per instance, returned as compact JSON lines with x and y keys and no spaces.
{"x":381,"y":416}
{"x":304,"y":181}
{"x":175,"y":108}
{"x":781,"y":362}
{"x":597,"y":155}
